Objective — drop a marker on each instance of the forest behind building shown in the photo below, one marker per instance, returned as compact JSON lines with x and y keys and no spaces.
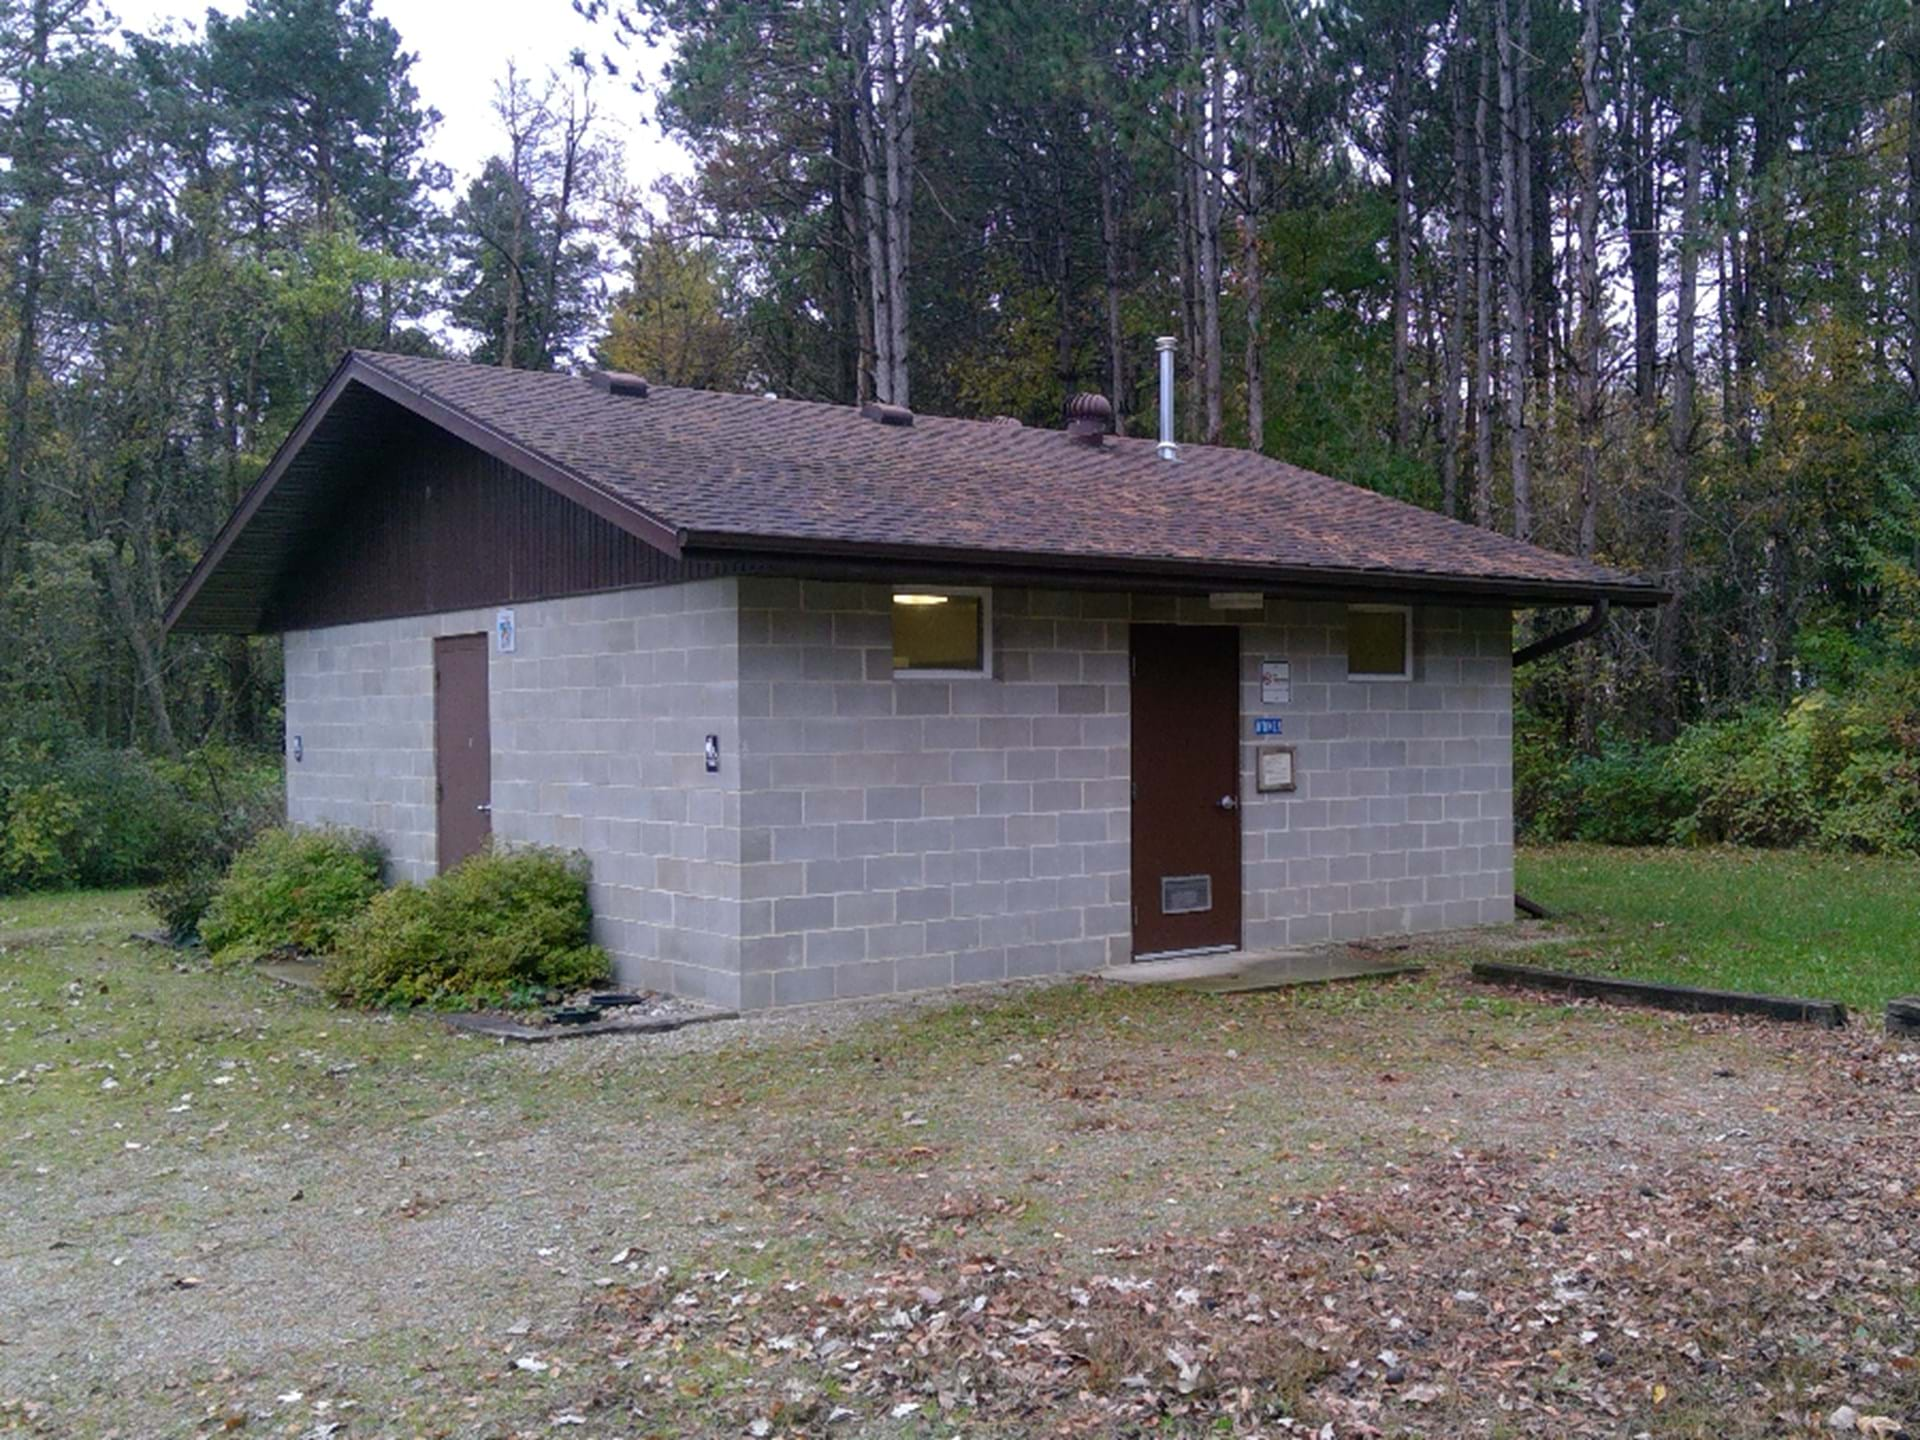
{"x":1634,"y":279}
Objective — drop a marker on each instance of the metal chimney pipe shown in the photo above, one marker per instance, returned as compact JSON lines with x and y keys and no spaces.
{"x":1168,"y":450}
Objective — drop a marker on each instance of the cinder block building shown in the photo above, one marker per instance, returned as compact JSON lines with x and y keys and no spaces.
{"x":841,"y":702}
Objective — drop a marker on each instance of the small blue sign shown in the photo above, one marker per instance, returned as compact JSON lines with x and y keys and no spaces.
{"x":1266,"y":725}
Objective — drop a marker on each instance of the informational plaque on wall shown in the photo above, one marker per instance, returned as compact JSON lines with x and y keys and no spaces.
{"x":1276,"y":682}
{"x":1275,"y":772}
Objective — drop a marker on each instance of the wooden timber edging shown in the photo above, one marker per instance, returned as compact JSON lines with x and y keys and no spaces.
{"x":1664,"y":997}
{"x":510,"y":1032}
{"x":1903,"y":1015}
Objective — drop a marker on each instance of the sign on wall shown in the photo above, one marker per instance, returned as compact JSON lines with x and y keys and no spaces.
{"x":503,"y":632}
{"x":1275,"y":769}
{"x":1237,"y":600}
{"x":1276,"y":682}
{"x":1267,"y":725}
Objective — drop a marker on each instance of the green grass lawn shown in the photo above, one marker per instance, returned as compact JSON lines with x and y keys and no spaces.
{"x":1781,"y":922}
{"x":124,"y":910}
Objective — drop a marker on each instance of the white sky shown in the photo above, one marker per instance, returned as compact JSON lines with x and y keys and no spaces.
{"x":462,"y":48}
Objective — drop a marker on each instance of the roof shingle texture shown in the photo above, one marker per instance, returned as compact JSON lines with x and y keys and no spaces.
{"x":791,"y":470}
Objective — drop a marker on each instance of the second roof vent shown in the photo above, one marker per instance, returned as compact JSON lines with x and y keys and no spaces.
{"x":1089,"y":418}
{"x":617,"y":382}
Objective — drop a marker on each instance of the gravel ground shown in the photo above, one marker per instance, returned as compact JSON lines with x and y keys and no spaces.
{"x":394,"y":1231}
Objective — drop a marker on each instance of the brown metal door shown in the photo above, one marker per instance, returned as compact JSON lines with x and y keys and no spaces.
{"x":462,"y":746}
{"x":1186,"y":788}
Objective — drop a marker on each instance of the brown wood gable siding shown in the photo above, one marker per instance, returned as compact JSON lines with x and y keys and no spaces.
{"x":437,"y":525}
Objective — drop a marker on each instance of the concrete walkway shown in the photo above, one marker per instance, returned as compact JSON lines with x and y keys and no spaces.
{"x":1243,"y":970}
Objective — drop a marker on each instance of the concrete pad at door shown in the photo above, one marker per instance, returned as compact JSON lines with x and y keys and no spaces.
{"x":1242,"y":971}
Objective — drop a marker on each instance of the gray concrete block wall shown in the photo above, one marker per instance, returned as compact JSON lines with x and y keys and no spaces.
{"x":599,"y":718}
{"x":1402,"y":821}
{"x":907,"y":834}
{"x":868,"y":834}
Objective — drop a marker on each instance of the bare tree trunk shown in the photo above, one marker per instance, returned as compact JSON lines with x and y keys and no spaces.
{"x":1188,"y":227}
{"x":884,"y":123}
{"x":1514,"y":182}
{"x":1913,"y":201}
{"x":1535,"y":147}
{"x":1587,"y":346}
{"x":900,"y":46}
{"x":1216,"y":211}
{"x":853,"y":318}
{"x":1723,"y":285}
{"x":1680,"y":436}
{"x":1256,"y":364}
{"x":1459,"y":239}
{"x":879,"y":291}
{"x":1399,"y":105}
{"x":1253,"y":276}
{"x":140,"y":632}
{"x":580,"y":116}
{"x":1209,"y":167}
{"x":1111,"y":256}
{"x":1643,"y":225}
{"x":1486,"y":385}
{"x":516,"y":245}
{"x":30,"y":171}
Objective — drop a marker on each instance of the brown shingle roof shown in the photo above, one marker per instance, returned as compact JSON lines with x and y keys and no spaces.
{"x":712,"y":465}
{"x":701,"y":472}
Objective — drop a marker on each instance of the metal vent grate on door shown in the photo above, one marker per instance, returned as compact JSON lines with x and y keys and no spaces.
{"x":1185,"y":894}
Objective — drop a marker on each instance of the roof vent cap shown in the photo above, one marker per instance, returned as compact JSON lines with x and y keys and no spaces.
{"x":887,"y":414}
{"x":618,"y":382}
{"x":1089,"y":418}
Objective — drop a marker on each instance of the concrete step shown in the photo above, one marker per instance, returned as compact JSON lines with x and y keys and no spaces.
{"x":1243,"y":970}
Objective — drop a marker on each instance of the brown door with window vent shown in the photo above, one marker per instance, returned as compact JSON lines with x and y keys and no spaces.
{"x":1186,"y":788}
{"x":462,"y":746}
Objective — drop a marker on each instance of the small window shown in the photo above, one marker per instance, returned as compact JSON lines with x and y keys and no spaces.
{"x":942,"y":632}
{"x":1379,"y":642}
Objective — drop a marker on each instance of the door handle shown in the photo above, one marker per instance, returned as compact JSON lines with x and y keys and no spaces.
{"x":484,"y":809}
{"x":1228,"y":802}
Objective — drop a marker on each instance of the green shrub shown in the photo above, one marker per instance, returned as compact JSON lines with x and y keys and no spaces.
{"x":75,"y":813}
{"x":181,"y":898}
{"x":1874,"y":806}
{"x":499,"y":928}
{"x":231,"y":798}
{"x":292,"y":889}
{"x":1628,"y":795}
{"x":37,"y":847}
{"x":127,"y":813}
{"x":1544,"y":795}
{"x":1752,"y":777}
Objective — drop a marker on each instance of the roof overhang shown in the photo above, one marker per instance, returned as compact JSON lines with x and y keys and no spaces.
{"x":848,"y":560}
{"x":232,"y":585}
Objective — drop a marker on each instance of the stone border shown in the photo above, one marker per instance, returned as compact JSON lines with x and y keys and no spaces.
{"x":1665,"y":997}
{"x":511,"y":1032}
{"x":1903,"y":1015}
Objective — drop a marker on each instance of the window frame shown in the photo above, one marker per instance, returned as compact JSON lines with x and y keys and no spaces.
{"x":1405,"y":674}
{"x":982,"y":593}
